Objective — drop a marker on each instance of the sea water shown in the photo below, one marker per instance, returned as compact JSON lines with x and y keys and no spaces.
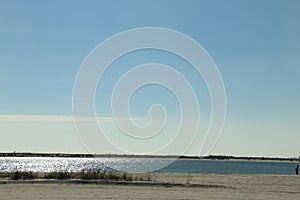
{"x":50,"y":164}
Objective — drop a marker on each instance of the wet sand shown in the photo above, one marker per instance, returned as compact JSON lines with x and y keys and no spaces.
{"x":161,"y":186}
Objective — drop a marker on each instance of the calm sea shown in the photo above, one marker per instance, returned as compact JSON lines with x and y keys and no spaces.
{"x":11,"y":164}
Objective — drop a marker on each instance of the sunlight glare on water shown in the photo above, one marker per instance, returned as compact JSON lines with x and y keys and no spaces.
{"x":49,"y":164}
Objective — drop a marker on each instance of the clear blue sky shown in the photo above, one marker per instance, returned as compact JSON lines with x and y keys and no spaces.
{"x":254,"y":43}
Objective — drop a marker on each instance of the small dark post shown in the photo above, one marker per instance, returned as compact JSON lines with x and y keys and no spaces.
{"x":297,"y":169}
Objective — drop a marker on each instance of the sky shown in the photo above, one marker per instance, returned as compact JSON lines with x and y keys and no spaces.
{"x":254,"y":44}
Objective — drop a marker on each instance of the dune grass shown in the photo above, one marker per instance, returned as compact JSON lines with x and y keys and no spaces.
{"x":84,"y":175}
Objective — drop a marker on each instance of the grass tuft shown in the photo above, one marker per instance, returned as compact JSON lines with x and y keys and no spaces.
{"x":84,"y":175}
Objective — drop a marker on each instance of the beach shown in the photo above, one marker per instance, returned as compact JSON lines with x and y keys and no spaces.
{"x":161,"y":186}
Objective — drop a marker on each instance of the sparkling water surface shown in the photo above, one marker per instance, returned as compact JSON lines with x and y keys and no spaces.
{"x":50,"y":164}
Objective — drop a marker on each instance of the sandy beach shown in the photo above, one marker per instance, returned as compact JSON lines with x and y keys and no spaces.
{"x":161,"y":186}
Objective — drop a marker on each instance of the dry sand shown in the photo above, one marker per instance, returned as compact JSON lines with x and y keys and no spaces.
{"x":161,"y":186}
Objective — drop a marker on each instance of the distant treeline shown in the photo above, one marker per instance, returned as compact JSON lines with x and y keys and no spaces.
{"x":78,"y":155}
{"x":26,"y":154}
{"x":222,"y":157}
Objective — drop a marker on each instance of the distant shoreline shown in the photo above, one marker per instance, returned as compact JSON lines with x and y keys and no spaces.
{"x":210,"y":157}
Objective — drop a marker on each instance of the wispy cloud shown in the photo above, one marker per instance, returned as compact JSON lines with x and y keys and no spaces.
{"x":54,"y":118}
{"x":35,"y":118}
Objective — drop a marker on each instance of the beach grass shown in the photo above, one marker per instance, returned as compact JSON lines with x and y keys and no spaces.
{"x":83,"y":175}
